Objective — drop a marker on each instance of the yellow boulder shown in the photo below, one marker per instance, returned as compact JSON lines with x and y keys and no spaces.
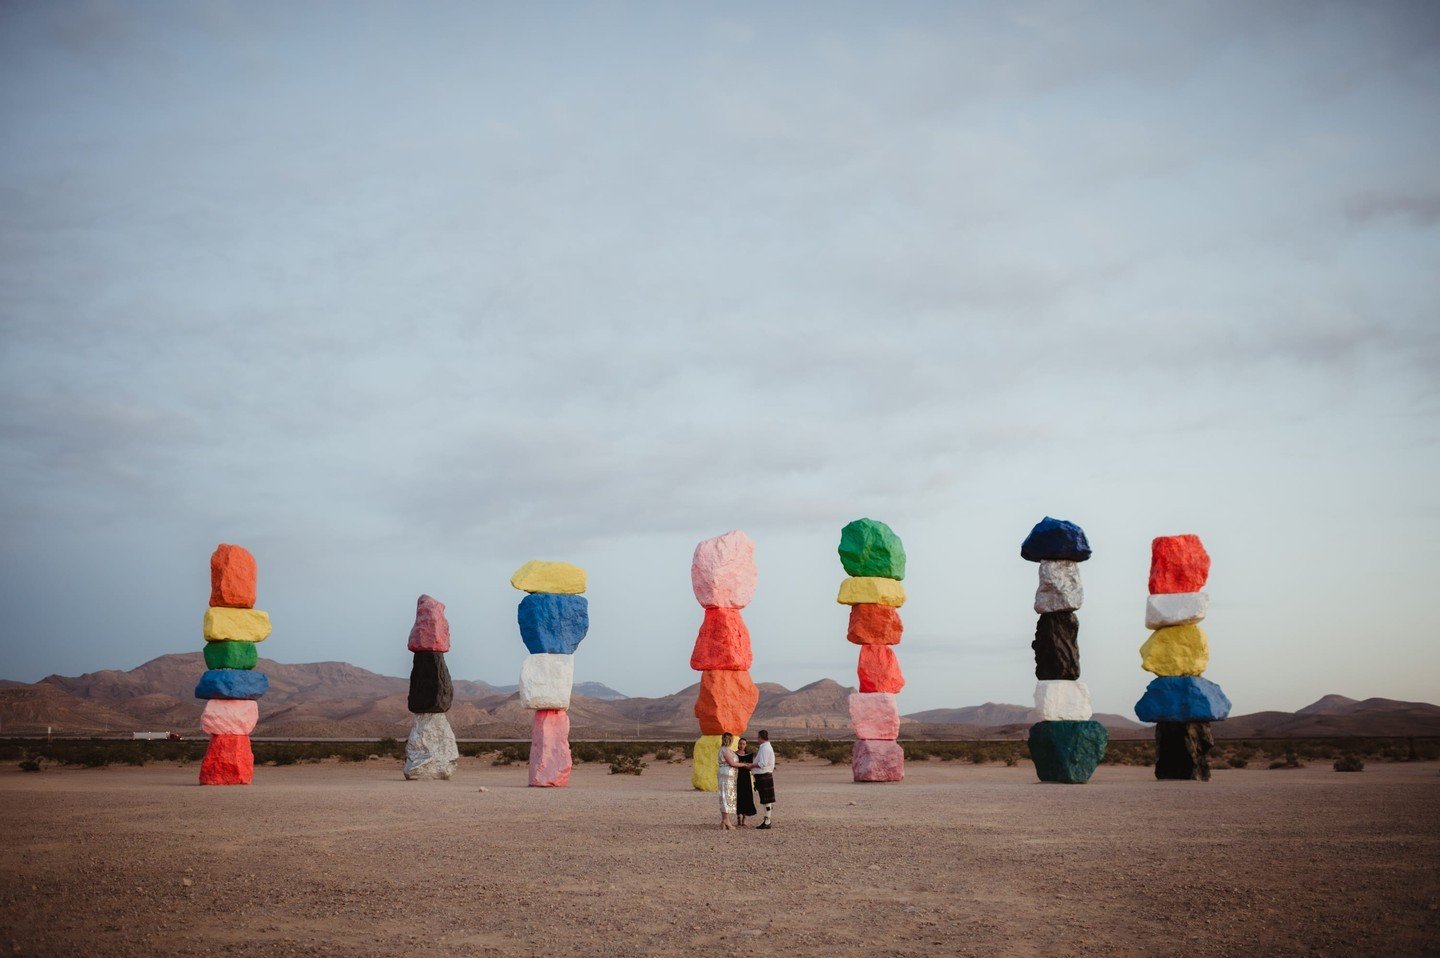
{"x":1177,"y":650}
{"x":552,"y":578}
{"x":705,"y":774}
{"x":236,"y":625}
{"x":871,"y":590}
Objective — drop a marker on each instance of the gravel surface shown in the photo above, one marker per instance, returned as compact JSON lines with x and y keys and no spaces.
{"x":348,"y":859}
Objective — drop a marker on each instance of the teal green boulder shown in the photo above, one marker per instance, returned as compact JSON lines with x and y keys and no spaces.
{"x":1067,"y":751}
{"x":231,"y":655}
{"x":869,"y":547}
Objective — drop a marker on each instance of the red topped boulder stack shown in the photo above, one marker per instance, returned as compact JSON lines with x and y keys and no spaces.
{"x":874,"y":560}
{"x":430,"y":751}
{"x":723,"y":576}
{"x":230,"y":685}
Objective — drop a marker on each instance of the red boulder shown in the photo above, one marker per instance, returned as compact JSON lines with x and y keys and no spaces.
{"x":874,"y":624}
{"x":727,"y":700}
{"x":879,"y":669}
{"x":723,"y":642}
{"x":1178,"y":564}
{"x":232,"y":578}
{"x":228,"y":761}
{"x":431,"y":631}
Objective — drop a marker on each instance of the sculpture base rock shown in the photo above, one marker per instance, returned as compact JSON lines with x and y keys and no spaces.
{"x":228,"y":761}
{"x":1067,"y":752}
{"x":430,"y":751}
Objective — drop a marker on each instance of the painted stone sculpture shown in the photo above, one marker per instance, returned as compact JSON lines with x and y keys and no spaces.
{"x":874,"y":560}
{"x":1180,"y":703}
{"x":430,"y":750}
{"x":230,"y":686}
{"x":1066,"y":745}
{"x":723,"y":575}
{"x":554,"y":619}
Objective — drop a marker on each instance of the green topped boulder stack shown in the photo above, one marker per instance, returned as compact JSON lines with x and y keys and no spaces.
{"x":874,"y":558}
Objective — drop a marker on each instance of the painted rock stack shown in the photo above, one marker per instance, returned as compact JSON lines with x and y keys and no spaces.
{"x":723,"y":575}
{"x":874,"y":559}
{"x":1066,"y":744}
{"x":553,"y":618}
{"x":1180,"y":703}
{"x":430,"y":751}
{"x":230,"y":685}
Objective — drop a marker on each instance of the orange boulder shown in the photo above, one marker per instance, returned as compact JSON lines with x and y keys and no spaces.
{"x":727,"y":700}
{"x":723,"y":642}
{"x":232,"y":578}
{"x":228,"y":761}
{"x":879,"y":670}
{"x":874,"y":624}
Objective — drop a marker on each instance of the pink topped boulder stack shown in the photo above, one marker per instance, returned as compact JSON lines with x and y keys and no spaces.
{"x":874,"y":558}
{"x":230,"y":685}
{"x":723,"y":575}
{"x":430,"y":750}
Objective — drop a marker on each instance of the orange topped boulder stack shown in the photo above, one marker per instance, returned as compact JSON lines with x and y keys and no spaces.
{"x":1180,"y":703}
{"x":230,"y":686}
{"x":874,"y":560}
{"x":723,"y":575}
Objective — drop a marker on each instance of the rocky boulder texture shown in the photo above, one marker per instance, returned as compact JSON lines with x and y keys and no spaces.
{"x":550,"y":578}
{"x":705,"y":764}
{"x":1176,"y":650}
{"x":1060,"y":589}
{"x":233,"y":577}
{"x":869,"y":547}
{"x":723,"y":643}
{"x":870,"y":589}
{"x":553,"y":624}
{"x":723,"y":571}
{"x":228,"y":760}
{"x":1067,"y":752}
{"x":550,"y":760}
{"x":236,"y":625}
{"x":231,"y":655}
{"x":726,"y":702}
{"x":1062,"y":700}
{"x":1178,"y":564}
{"x":546,"y":681}
{"x":1057,"y":655}
{"x":431,"y":631}
{"x":879,"y":669}
{"x":875,"y":715}
{"x":231,"y":684}
{"x":1175,"y":608}
{"x":877,"y":760}
{"x":430,"y":751}
{"x":1182,"y":698}
{"x":430,"y":687}
{"x":1182,"y":751}
{"x":873,"y":624}
{"x":229,"y":717}
{"x":1055,"y":539}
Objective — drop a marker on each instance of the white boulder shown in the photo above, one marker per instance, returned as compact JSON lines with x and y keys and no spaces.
{"x":545,"y":680}
{"x":430,"y":751}
{"x":1061,"y":700}
{"x":1177,"y":608}
{"x":1060,"y":589}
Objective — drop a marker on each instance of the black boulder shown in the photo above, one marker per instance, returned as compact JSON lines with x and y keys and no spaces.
{"x":430,"y":688}
{"x":1182,"y":750}
{"x":1057,"y":646}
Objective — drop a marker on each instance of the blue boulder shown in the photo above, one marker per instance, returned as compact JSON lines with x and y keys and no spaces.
{"x":553,"y":623}
{"x":231,"y":684}
{"x":1182,"y":698}
{"x":1067,"y":752}
{"x":1055,"y":539}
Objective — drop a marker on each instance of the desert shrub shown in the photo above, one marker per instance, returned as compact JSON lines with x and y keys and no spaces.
{"x":351,"y":755}
{"x":663,"y":754}
{"x":586,"y":752}
{"x":1011,"y":759}
{"x":284,"y":758}
{"x":1350,"y":763}
{"x":834,"y":754}
{"x":1237,"y":761}
{"x":627,"y":765}
{"x":29,"y":765}
{"x":511,"y":754}
{"x":788,"y":750}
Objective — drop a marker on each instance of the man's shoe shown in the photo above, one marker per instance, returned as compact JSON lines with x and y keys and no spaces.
{"x":762,"y":825}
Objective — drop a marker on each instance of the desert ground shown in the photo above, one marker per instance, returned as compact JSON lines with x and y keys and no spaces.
{"x":349,"y":859}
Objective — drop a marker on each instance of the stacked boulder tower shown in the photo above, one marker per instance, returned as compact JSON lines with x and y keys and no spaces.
{"x":230,"y":685}
{"x":1178,"y":700}
{"x":554,"y":618}
{"x":723,"y":575}
{"x":874,"y":561}
{"x":430,"y":751}
{"x":1066,"y":744}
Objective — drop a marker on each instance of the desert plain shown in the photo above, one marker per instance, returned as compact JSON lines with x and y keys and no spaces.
{"x":349,"y":859}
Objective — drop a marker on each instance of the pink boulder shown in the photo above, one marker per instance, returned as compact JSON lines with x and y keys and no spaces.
{"x":723,"y":642}
{"x":874,"y":715}
{"x":229,"y":716}
{"x":228,"y":761}
{"x":430,"y":633}
{"x":550,"y":749}
{"x":723,"y":572}
{"x":877,"y":761}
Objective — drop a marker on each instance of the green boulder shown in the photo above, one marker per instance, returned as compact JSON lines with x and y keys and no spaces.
{"x":1067,"y":751}
{"x":231,"y":655}
{"x":869,"y":547}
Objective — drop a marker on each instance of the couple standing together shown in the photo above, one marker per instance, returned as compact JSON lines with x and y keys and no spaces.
{"x":735,"y":770}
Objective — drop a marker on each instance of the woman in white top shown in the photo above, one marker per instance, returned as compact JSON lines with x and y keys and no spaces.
{"x":726,"y":770}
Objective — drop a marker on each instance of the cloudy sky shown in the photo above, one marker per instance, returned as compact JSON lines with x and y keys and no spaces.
{"x":400,"y":296}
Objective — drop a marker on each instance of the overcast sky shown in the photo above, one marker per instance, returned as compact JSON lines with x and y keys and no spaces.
{"x":401,"y":296}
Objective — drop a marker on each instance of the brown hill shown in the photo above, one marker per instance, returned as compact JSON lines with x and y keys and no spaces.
{"x":1335,"y":716}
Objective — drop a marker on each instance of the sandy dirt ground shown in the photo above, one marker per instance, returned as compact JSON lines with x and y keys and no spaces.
{"x":349,"y":859}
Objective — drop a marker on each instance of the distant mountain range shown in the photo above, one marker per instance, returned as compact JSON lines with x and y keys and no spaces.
{"x":338,"y":700}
